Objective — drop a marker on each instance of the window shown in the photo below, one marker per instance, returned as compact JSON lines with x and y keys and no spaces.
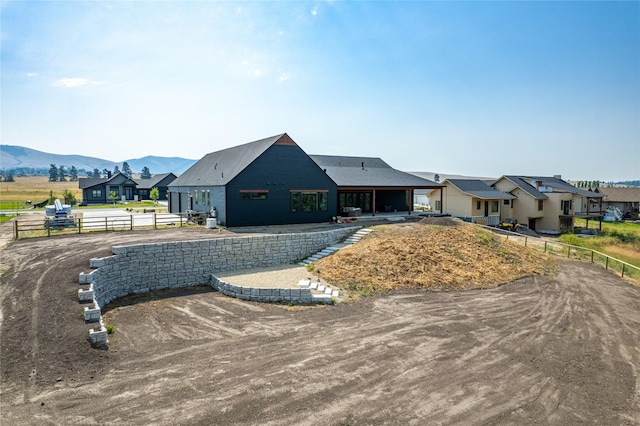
{"x":438,"y":206}
{"x":254,"y":194}
{"x":540,"y":205}
{"x":478,"y":205}
{"x":506,"y":202}
{"x":96,"y":193}
{"x":309,"y":201}
{"x":195,"y":193}
{"x":494,"y":207}
{"x":208,"y":197}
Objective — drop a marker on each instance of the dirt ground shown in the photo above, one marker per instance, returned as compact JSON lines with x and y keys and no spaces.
{"x":561,"y":350}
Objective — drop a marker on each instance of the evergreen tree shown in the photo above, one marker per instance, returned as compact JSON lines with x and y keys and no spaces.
{"x":116,"y":170}
{"x":53,"y":173}
{"x":95,"y":174}
{"x":105,"y":173}
{"x":73,"y":174}
{"x":126,"y":170}
{"x":436,"y":178}
{"x":146,"y":173}
{"x":62,"y":174}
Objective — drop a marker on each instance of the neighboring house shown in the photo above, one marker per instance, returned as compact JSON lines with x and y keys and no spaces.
{"x":372,"y":185}
{"x":626,"y":199}
{"x":548,"y":204}
{"x":267,"y":182}
{"x":97,"y":190}
{"x":273,"y":181}
{"x":475,"y":201}
{"x":161,"y":181}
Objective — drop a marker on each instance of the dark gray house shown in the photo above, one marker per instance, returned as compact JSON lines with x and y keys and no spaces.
{"x":271,"y":181}
{"x":97,"y":190}
{"x":161,"y":181}
{"x":371,"y":184}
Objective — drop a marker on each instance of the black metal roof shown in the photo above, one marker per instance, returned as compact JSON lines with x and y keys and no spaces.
{"x":121,"y":178}
{"x":220,"y":167}
{"x":368,"y":172}
{"x":479,"y":189}
{"x":154,"y":181}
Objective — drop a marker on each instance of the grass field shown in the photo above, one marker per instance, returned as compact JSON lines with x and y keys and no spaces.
{"x":618,"y":239}
{"x":14,"y":195}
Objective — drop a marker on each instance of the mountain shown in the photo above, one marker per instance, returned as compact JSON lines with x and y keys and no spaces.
{"x":13,"y":157}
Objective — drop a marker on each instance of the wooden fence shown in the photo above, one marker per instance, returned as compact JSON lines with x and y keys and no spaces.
{"x":572,"y":252}
{"x":36,"y":226}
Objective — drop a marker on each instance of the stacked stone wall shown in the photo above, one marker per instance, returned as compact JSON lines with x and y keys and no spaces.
{"x":157,"y":266}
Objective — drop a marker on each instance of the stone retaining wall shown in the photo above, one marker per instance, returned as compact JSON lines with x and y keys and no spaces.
{"x":158,"y":266}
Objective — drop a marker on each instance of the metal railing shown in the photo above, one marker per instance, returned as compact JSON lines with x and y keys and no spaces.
{"x":568,"y":250}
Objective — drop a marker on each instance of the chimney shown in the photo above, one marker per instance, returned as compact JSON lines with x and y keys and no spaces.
{"x":558,"y":176}
{"x":108,"y":174}
{"x":363,"y":165}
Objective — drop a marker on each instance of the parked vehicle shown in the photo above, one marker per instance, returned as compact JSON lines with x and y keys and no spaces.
{"x":509,"y":225}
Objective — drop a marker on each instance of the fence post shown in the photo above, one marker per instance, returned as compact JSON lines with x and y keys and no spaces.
{"x":15,"y":229}
{"x":545,"y":246}
{"x":48,"y":227}
{"x":568,"y":251}
{"x":154,"y":222}
{"x":606,"y":264}
{"x":623,"y":270}
{"x":591,"y":256}
{"x":131,"y":217}
{"x":106,"y":224}
{"x":525,"y":241}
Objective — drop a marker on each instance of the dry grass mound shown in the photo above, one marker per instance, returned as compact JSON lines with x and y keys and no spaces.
{"x":444,"y":256}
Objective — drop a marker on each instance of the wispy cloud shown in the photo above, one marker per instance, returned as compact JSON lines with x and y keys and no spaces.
{"x":76,"y":82}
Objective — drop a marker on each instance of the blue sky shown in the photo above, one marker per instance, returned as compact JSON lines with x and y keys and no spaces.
{"x":473,"y":88}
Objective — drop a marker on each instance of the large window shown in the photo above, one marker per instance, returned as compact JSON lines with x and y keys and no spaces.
{"x":96,"y":193}
{"x":540,"y":205}
{"x":308,"y":201}
{"x":494,"y":207}
{"x":254,"y":194}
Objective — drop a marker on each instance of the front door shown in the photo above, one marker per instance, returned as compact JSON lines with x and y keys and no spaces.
{"x":486,"y":208}
{"x":128,"y":193}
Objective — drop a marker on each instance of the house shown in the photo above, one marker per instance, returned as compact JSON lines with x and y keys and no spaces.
{"x":626,"y":199}
{"x":273,"y":181}
{"x":548,"y":204}
{"x":475,"y":201}
{"x":98,"y":190}
{"x":160,"y":181}
{"x":371,"y":185}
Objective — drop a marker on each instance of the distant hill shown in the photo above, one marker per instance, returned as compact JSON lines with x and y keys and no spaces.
{"x":444,"y":176}
{"x":17,"y":157}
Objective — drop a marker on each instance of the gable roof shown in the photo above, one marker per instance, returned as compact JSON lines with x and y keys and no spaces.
{"x":557,"y":185}
{"x":621,"y":195}
{"x":368,"y":172}
{"x":84,"y":183}
{"x":154,"y":181}
{"x":479,"y":189}
{"x":220,"y":167}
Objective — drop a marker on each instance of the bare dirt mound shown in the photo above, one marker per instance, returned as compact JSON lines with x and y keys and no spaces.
{"x":434,"y":254}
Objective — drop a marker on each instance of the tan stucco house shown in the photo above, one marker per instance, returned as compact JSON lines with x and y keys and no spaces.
{"x":626,"y":199}
{"x":474,"y":201}
{"x":547,"y":205}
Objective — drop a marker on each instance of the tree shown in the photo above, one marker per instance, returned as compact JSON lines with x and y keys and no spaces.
{"x":145,"y":173}
{"x":116,"y":170}
{"x":62,"y":174}
{"x":95,"y":174}
{"x":105,"y":173}
{"x":69,"y":197}
{"x":73,"y":174}
{"x":126,"y":170}
{"x":53,"y":173}
{"x":154,"y":194}
{"x":436,"y":178}
{"x":113,"y":196}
